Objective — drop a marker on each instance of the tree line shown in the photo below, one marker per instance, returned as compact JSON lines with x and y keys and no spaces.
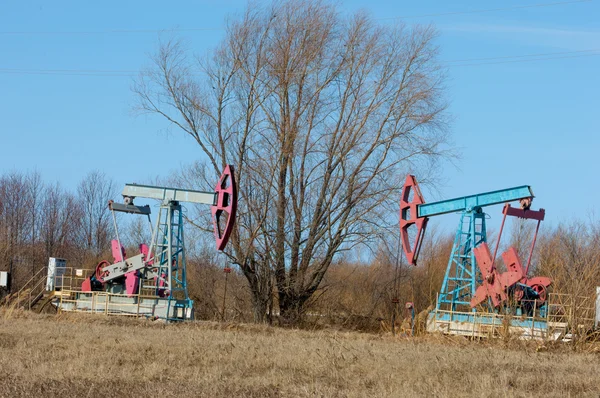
{"x":368,"y":294}
{"x":39,"y":220}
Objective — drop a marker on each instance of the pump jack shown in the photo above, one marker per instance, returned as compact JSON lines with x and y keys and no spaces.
{"x":472,"y":282}
{"x":153,"y":282}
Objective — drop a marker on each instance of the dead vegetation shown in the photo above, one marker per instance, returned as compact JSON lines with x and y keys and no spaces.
{"x":67,"y":355}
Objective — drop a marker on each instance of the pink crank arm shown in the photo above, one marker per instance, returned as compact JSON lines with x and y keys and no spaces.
{"x":223,"y":213}
{"x":409,"y":217}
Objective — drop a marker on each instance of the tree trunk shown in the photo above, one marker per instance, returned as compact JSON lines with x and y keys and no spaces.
{"x":291,"y":308}
{"x":261,"y":289}
{"x":260,"y":308}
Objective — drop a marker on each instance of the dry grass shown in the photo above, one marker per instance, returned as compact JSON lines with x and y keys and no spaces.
{"x":78,"y":356}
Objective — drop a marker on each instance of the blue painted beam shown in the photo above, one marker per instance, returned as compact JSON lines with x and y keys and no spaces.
{"x":472,"y":201}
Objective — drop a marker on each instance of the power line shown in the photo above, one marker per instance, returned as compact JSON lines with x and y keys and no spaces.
{"x":112,"y":31}
{"x":65,"y":72}
{"x":460,"y":62}
{"x":121,"y":31}
{"x":111,"y":72}
{"x":489,"y":10}
{"x":525,"y":60}
{"x":523,"y":56}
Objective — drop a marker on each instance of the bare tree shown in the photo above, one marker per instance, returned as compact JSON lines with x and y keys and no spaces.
{"x":61,"y":217}
{"x":16,"y":216}
{"x":93,"y":194}
{"x":35,"y":187}
{"x":321,"y":115}
{"x":570,"y":255}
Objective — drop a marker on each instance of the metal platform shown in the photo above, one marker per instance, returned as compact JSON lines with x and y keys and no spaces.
{"x":120,"y":304}
{"x":69,"y":297}
{"x":555,"y":321}
{"x":476,"y":324}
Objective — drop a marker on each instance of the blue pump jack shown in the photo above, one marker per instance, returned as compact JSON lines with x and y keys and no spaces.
{"x":465,"y":282}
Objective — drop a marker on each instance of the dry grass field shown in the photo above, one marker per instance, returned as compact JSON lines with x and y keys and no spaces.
{"x":90,"y":356}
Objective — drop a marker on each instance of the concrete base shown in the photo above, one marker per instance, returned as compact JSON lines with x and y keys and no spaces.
{"x":476,"y":324}
{"x":115,"y":304}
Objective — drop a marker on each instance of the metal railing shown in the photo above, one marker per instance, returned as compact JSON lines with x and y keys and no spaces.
{"x":70,"y":280}
{"x":577,"y":311}
{"x":31,"y":291}
{"x":99,"y":302}
{"x":562,"y":317}
{"x":70,"y":297}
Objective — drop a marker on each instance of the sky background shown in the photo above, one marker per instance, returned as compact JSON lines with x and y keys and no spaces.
{"x":67,"y":67}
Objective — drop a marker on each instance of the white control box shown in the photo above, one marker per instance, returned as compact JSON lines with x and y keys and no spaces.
{"x":597,"y":305}
{"x":56,"y":269}
{"x":3,"y":279}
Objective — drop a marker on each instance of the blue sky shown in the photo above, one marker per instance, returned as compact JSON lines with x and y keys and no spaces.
{"x":516,"y":120}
